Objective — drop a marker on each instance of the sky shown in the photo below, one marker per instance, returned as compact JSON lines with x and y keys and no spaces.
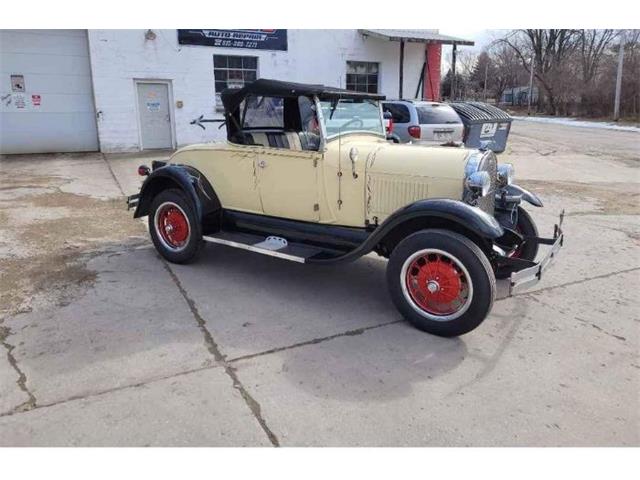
{"x":482,"y":38}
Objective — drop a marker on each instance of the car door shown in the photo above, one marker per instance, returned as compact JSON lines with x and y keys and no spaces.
{"x":231,"y":170}
{"x":288,"y":183}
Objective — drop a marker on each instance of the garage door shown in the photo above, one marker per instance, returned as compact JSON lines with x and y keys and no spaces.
{"x":46,"y":98}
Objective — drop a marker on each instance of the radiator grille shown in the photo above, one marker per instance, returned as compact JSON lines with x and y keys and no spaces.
{"x":489,"y":164}
{"x":386,"y":194}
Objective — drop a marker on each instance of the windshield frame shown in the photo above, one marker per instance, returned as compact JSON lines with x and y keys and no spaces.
{"x":325,"y":137}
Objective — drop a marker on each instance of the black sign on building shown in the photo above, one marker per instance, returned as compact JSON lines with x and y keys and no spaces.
{"x":252,"y":39}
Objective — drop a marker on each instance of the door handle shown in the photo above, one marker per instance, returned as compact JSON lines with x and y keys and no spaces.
{"x":262,"y":163}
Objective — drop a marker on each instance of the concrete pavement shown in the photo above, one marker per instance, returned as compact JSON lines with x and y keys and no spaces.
{"x":104,"y":343}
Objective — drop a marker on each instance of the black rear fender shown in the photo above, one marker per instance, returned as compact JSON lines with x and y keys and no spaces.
{"x":193,"y":184}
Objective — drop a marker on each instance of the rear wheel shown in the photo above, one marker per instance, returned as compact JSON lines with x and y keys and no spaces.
{"x":441,"y":282}
{"x":174,"y":228}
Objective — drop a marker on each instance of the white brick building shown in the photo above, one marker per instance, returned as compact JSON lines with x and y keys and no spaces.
{"x":129,"y":90}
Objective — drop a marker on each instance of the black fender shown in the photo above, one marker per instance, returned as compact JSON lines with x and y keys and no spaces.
{"x":517,"y":190}
{"x":468,"y":218}
{"x":184,"y":177}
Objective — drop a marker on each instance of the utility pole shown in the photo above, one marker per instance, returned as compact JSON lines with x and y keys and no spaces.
{"x":530,"y":87}
{"x":486,"y":71}
{"x":616,"y":107}
{"x":453,"y":71}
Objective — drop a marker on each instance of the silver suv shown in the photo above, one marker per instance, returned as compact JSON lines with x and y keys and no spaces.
{"x":430,"y":123}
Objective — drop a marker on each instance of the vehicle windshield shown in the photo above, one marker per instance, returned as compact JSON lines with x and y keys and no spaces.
{"x":436,"y":114}
{"x":346,"y":115}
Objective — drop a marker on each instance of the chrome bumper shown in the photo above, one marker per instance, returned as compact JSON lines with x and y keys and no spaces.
{"x":132,"y":201}
{"x":527,"y":277}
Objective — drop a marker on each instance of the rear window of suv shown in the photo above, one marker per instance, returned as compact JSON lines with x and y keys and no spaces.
{"x":437,"y":114}
{"x":399,"y":112}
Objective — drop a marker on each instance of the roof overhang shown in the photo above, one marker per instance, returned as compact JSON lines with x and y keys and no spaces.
{"x":418,"y":36}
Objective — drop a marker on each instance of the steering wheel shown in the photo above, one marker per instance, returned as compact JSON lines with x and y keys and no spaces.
{"x":354,"y":120}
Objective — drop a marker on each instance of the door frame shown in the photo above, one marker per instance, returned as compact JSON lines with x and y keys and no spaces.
{"x":168,"y":83}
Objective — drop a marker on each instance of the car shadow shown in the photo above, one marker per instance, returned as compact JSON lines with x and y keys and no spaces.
{"x":378,"y":365}
{"x":364,"y":350}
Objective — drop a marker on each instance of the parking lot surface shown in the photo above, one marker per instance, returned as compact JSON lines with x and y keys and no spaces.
{"x":104,"y":343}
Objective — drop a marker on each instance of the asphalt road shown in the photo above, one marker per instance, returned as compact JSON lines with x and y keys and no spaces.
{"x":103,"y":343}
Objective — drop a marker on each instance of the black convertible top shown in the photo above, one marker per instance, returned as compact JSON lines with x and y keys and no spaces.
{"x":233,"y":97}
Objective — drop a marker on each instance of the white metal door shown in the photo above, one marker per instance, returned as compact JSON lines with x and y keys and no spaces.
{"x":46,"y":96}
{"x":155,"y":116}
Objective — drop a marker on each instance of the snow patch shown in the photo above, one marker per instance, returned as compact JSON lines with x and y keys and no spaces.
{"x":572,"y":122}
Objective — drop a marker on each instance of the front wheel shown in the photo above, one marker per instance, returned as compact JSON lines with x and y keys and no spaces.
{"x":441,"y":282}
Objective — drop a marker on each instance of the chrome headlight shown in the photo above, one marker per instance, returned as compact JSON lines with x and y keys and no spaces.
{"x":479,"y":183}
{"x":505,"y":174}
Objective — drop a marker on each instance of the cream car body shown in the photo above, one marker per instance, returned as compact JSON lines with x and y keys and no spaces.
{"x":307,"y":175}
{"x":355,"y":181}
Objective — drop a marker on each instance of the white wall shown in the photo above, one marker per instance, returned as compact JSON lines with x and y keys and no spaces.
{"x":118,"y":57}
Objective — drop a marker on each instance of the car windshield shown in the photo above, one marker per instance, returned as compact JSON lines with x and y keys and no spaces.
{"x":436,"y":114}
{"x":343,"y":116}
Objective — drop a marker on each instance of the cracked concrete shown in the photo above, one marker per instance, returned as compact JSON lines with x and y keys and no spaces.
{"x":105,"y":344}
{"x":213,"y":348}
{"x":21,"y":380}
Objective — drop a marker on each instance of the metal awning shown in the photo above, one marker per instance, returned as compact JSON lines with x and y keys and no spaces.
{"x":419,"y":36}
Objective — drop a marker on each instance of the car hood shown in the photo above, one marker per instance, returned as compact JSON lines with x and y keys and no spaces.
{"x":417,"y":161}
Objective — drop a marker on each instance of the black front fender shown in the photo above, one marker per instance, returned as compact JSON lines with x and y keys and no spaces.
{"x":428,"y":212}
{"x":517,"y":190}
{"x":474,"y":219}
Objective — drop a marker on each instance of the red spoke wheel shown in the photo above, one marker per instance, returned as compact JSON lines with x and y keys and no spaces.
{"x":437,"y":283}
{"x":172,"y":225}
{"x":441,"y":282}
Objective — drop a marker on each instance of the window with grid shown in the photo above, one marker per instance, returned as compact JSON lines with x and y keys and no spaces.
{"x":362,"y":76}
{"x":233,"y":71}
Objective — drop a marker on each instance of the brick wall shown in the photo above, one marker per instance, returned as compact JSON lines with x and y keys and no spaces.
{"x":119,"y":57}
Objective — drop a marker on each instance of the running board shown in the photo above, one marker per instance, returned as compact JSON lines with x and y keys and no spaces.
{"x":271,"y":246}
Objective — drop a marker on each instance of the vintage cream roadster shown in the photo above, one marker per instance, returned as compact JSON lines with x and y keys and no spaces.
{"x":307,"y":175}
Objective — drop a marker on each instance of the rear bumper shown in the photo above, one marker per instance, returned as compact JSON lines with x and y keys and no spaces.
{"x":528,"y":277}
{"x":132,"y":201}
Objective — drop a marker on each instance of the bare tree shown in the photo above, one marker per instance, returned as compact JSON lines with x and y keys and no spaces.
{"x":506,"y":70}
{"x":550,"y":48}
{"x":575,"y":70}
{"x":593,"y":45}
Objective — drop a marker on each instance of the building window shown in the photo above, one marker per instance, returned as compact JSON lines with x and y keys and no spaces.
{"x":233,"y":71}
{"x":362,"y":76}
